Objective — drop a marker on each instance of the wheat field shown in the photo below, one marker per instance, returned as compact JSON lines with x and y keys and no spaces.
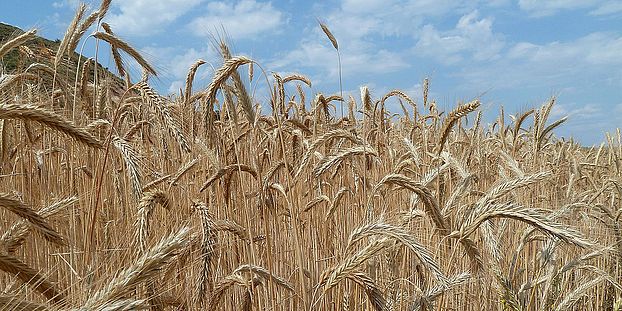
{"x":115,"y":197}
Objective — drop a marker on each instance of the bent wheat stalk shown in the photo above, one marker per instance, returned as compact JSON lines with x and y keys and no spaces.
{"x":116,"y":42}
{"x":17,"y":41}
{"x":532,"y":216}
{"x":38,"y":223}
{"x":143,"y":269}
{"x":31,"y":277}
{"x":50,"y":119}
{"x":13,"y":238}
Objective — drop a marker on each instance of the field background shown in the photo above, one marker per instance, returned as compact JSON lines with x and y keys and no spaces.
{"x":114,"y":197}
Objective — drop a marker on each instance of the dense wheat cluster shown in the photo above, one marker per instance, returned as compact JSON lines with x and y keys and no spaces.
{"x":114,"y":197}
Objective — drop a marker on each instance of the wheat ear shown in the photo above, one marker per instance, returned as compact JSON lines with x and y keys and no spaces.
{"x":332,"y":276}
{"x":114,"y":41}
{"x":425,"y":194}
{"x":240,"y":90}
{"x":432,"y":294}
{"x":31,"y":277}
{"x":145,"y":209}
{"x":15,"y":303}
{"x":64,"y":44}
{"x":227,"y":170}
{"x":451,"y":120}
{"x":236,"y":277}
{"x":16,"y":235}
{"x":208,"y":243}
{"x":132,"y":160}
{"x":116,"y":56}
{"x":20,"y":209}
{"x":532,"y":216}
{"x":143,"y":269}
{"x":160,"y":105}
{"x":400,"y":235}
{"x":80,"y":31}
{"x":190,"y":78}
{"x":230,"y":66}
{"x":373,"y":292}
{"x":50,"y":119}
{"x":332,"y":160}
{"x":17,"y":41}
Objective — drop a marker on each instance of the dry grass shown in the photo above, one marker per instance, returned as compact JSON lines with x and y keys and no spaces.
{"x":294,"y":209}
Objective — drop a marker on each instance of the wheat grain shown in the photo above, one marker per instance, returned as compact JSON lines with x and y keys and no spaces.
{"x":49,"y":119}
{"x":120,"y":44}
{"x":31,"y":277}
{"x":143,"y":269}
{"x":17,"y":41}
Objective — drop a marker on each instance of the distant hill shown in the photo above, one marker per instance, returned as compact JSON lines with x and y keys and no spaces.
{"x":39,"y":45}
{"x":7,"y":32}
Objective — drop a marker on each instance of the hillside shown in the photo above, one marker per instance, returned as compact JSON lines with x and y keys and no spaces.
{"x":10,"y":60}
{"x":44,"y":49}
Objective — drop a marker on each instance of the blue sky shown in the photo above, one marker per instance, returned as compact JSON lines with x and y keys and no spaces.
{"x":514,"y":54}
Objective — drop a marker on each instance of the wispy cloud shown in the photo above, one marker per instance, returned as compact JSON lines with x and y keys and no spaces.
{"x":368,"y":29}
{"x":66,"y":3}
{"x":590,"y":59}
{"x":241,"y":20}
{"x":146,"y":17}
{"x":608,"y":8}
{"x":317,"y":54}
{"x":538,"y":8}
{"x":472,"y":37}
{"x":176,"y":62}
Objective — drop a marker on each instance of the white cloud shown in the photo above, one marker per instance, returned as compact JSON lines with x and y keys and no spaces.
{"x":574,"y":110}
{"x":356,"y":19}
{"x":607,"y":8}
{"x":66,"y":3}
{"x":366,"y":30}
{"x":537,"y":8}
{"x":176,"y":62}
{"x":244,"y":19}
{"x":471,"y":37}
{"x":146,"y":17}
{"x":555,"y":65}
{"x":593,"y":49}
{"x":354,"y":60}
